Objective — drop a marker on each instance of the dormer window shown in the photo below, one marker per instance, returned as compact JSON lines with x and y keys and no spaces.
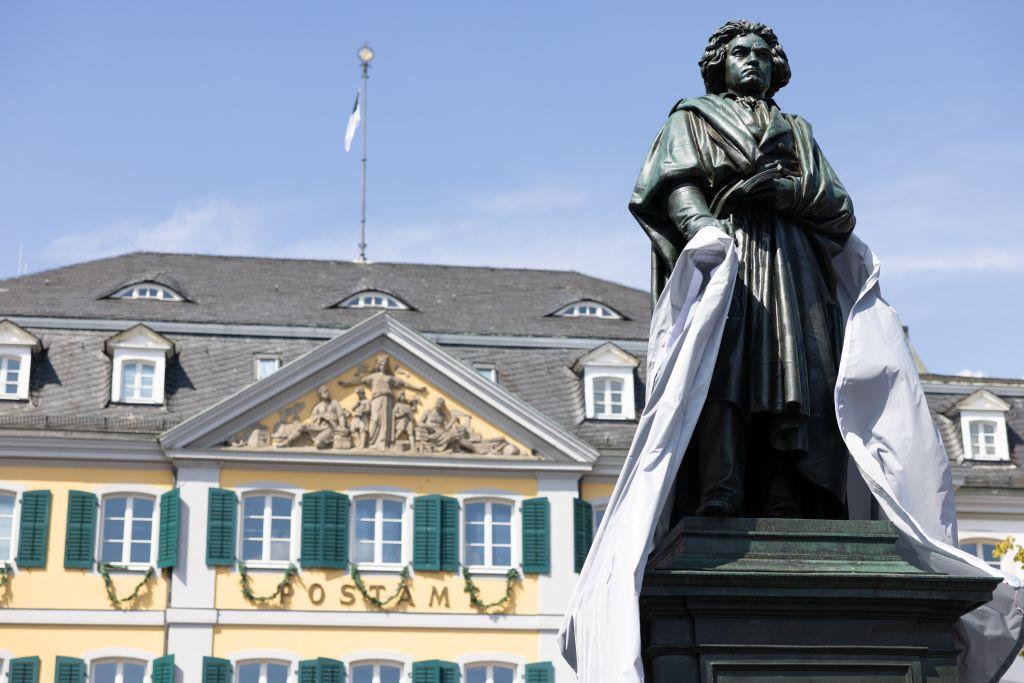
{"x":983,"y":426}
{"x":588,"y":309}
{"x":16,"y":348}
{"x":374,"y":299}
{"x":139,"y":365}
{"x":608,"y":388}
{"x":148,"y":290}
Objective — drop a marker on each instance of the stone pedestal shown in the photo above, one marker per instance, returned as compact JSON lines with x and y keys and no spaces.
{"x":759,"y":600}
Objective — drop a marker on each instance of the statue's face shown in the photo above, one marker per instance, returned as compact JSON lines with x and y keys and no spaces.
{"x":324,"y":393}
{"x":748,"y":65}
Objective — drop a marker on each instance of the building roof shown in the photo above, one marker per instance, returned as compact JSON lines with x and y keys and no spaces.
{"x":302,"y":292}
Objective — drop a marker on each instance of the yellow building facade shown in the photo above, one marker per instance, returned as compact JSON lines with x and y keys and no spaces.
{"x":377,"y":510}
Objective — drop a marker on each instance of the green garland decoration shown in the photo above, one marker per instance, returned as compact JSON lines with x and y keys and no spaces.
{"x":282,"y":591}
{"x":474,"y":591}
{"x":105,"y":569}
{"x":376,"y":602}
{"x":6,"y":572}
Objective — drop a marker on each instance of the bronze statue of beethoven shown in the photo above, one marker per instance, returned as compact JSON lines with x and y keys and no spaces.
{"x":766,"y":443}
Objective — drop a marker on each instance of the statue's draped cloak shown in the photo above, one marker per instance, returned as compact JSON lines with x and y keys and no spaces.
{"x":783,"y":336}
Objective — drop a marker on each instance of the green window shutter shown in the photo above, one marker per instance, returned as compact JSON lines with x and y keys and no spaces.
{"x":536,"y":536}
{"x":69,"y":670}
{"x":34,"y":532}
{"x":220,"y":528}
{"x":426,"y":533}
{"x":321,"y":670}
{"x":311,"y":552}
{"x":170,"y":521}
{"x":216,"y":670}
{"x":24,"y":670}
{"x":81,"y":532}
{"x":449,"y":534}
{"x":582,"y":531}
{"x":335,"y":532}
{"x":541,"y":672}
{"x":325,"y":530}
{"x":163,"y":669}
{"x":308,"y":671}
{"x":435,"y":671}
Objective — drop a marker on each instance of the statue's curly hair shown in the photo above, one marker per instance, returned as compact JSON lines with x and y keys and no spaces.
{"x":712,"y":64}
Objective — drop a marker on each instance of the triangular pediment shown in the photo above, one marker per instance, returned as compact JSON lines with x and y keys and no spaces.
{"x":379,"y":389}
{"x":982,"y":399}
{"x":608,"y":355}
{"x":140,"y":337}
{"x":15,"y":335}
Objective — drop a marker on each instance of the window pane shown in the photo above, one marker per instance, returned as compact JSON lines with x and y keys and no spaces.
{"x":281,"y":528}
{"x":252,"y":550}
{"x":390,"y":674}
{"x":503,"y":674}
{"x":142,"y":507}
{"x":249,"y":673}
{"x":392,"y":552}
{"x":392,"y":509}
{"x":277,"y":673}
{"x":111,"y":552}
{"x":362,"y":673}
{"x":254,"y":505}
{"x":475,"y":533}
{"x":280,"y":506}
{"x":133,"y":673}
{"x":252,"y":527}
{"x":113,"y":530}
{"x":364,"y":530}
{"x":140,"y":552}
{"x":6,"y":525}
{"x":142,"y":530}
{"x":501,"y":512}
{"x":105,"y":673}
{"x":366,"y":508}
{"x":392,"y":531}
{"x":502,"y":557}
{"x":279,"y":550}
{"x":988,"y":552}
{"x":115,"y":507}
{"x":501,"y":534}
{"x":476,"y":674}
{"x":364,"y":552}
{"x":6,"y":505}
{"x":474,"y":555}
{"x":475,"y":512}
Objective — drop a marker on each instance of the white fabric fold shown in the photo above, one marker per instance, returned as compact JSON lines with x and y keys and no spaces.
{"x":884,"y":420}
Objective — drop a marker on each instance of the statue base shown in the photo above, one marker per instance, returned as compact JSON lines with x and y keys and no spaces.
{"x":799,"y":600}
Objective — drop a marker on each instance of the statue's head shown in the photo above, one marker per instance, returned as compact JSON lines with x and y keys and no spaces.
{"x":361,"y":393}
{"x":744,"y":57}
{"x":439,"y":404}
{"x":382,"y":363}
{"x":324,"y":393}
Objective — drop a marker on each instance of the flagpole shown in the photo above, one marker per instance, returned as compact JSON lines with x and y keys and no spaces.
{"x":365,"y":55}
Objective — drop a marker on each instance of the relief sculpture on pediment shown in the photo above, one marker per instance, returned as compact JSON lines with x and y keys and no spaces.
{"x":382,"y":415}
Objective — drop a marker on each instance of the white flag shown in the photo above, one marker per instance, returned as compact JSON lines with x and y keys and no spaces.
{"x":353,"y":122}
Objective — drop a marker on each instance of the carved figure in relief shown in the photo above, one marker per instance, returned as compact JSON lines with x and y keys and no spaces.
{"x":405,"y":420}
{"x":381,"y":382}
{"x":321,"y":424}
{"x":343,"y":434}
{"x":360,"y":423}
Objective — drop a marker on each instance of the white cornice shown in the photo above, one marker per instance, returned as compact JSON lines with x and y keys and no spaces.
{"x":301,"y":332}
{"x":989,"y":502}
{"x":381,"y":333}
{"x":65,"y":448}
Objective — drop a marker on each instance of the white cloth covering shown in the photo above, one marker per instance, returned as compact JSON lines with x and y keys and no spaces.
{"x":884,"y":420}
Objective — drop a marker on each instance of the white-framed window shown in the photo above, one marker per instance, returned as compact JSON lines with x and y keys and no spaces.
{"x":378,"y":531}
{"x":266,"y":529}
{"x":983,"y":426}
{"x":127,"y":528}
{"x":376,"y":672}
{"x":487,"y":531}
{"x":983,"y":438}
{"x":985,"y":548}
{"x":490,"y":672}
{"x":8,"y":527}
{"x":118,"y":671}
{"x":264,"y":671}
{"x":265,"y":365}
{"x":374,"y":299}
{"x":148,"y":290}
{"x":138,"y":378}
{"x":609,"y":397}
{"x":588,"y":309}
{"x":608,"y":387}
{"x":139,"y":365}
{"x":10,"y":376}
{"x":488,"y":372}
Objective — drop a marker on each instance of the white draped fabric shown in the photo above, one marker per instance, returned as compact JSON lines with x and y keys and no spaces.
{"x":884,"y":420}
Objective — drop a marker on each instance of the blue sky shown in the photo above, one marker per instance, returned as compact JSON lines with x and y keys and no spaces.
{"x":505,"y":134}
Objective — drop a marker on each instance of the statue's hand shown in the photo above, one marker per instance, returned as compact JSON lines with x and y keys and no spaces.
{"x":777,"y":192}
